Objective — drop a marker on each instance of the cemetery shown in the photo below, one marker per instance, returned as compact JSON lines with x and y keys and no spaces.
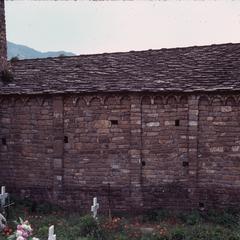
{"x":48,"y":222}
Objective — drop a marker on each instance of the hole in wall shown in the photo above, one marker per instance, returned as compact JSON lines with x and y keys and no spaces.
{"x":4,"y":141}
{"x":185,"y":164}
{"x":177,"y":122}
{"x":65,"y":139}
{"x":114,"y":122}
{"x":143,"y":163}
{"x":201,"y":204}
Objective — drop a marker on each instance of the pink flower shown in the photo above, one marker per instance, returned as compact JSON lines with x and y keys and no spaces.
{"x":19,"y":233}
{"x":20,"y":238}
{"x":25,"y":235}
{"x":19,"y":227}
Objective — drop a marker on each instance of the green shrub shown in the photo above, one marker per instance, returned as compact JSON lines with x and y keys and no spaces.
{"x":6,"y":76}
{"x":178,"y":234}
{"x":150,"y":216}
{"x":14,"y":59}
{"x":89,"y":227}
{"x":163,"y":214}
{"x":208,"y":232}
{"x":42,"y":232}
{"x":150,"y":236}
{"x":190,"y":218}
{"x":222,"y":217}
{"x":156,"y":215}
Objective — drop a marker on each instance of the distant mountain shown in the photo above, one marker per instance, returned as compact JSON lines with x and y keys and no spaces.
{"x":24,"y":52}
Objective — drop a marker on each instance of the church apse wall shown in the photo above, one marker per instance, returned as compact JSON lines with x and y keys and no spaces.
{"x":131,"y":150}
{"x":26,"y":142}
{"x":219,"y":150}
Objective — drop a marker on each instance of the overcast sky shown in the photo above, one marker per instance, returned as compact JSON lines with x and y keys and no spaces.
{"x":110,"y":26}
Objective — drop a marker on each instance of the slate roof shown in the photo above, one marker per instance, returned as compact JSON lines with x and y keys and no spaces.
{"x":198,"y":68}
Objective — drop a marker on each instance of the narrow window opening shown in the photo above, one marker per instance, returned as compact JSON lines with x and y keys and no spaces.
{"x":177,"y":122}
{"x":65,"y":139}
{"x":4,"y":141}
{"x":185,"y":164}
{"x":201,"y":205}
{"x":143,"y":163}
{"x":114,"y":122}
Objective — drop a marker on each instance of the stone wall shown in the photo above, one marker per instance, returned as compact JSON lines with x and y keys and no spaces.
{"x":219,"y":150}
{"x":133,"y":151}
{"x":3,"y":46}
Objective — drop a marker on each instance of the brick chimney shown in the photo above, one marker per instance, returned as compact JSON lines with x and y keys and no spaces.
{"x":3,"y":41}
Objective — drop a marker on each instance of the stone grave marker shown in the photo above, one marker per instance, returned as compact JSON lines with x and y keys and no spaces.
{"x":95,"y":207}
{"x":51,"y":235}
{"x":3,"y":222}
{"x":3,"y":196}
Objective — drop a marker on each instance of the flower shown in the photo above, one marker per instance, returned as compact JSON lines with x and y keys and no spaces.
{"x":20,"y":238}
{"x":23,"y":232}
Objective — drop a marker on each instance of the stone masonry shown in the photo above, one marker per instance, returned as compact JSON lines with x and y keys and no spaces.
{"x":139,"y":130}
{"x":130,"y":150}
{"x":3,"y":47}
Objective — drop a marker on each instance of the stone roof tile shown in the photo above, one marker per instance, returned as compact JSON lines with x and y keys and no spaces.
{"x":198,"y":68}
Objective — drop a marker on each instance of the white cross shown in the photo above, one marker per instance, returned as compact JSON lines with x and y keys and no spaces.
{"x":95,"y":207}
{"x":3,"y":196}
{"x":51,"y":235}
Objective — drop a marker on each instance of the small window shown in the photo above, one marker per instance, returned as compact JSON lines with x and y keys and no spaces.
{"x":4,"y":141}
{"x":201,"y":204}
{"x":185,"y":164}
{"x":114,"y":122}
{"x":65,"y":139}
{"x":143,"y":163}
{"x":177,"y":122}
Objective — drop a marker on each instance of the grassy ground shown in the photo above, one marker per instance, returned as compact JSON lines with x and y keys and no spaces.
{"x":154,"y":225}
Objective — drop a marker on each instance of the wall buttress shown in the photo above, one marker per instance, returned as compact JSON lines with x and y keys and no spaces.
{"x":193,"y":148}
{"x":135,"y":153}
{"x":58,"y":145}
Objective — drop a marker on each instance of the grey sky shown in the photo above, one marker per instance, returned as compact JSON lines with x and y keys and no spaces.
{"x":110,"y":26}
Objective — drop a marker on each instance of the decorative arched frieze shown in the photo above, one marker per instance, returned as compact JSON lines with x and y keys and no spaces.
{"x":6,"y":100}
{"x":74,"y":100}
{"x":112,"y":100}
{"x":39,"y":100}
{"x":79,"y":101}
{"x":217,"y":100}
{"x":95,"y":100}
{"x":171,"y":100}
{"x":158,"y":100}
{"x":125,"y":100}
{"x":46,"y":101}
{"x":183,"y":100}
{"x":30,"y":101}
{"x":18,"y":101}
{"x":230,"y":101}
{"x":238,"y":99}
{"x":146,"y":100}
{"x":204,"y":100}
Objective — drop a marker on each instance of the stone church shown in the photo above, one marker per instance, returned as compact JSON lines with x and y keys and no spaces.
{"x":139,"y":129}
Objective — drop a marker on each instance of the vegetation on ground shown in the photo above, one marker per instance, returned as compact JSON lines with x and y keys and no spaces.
{"x":153,"y":225}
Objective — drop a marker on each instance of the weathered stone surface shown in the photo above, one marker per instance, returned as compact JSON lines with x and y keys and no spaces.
{"x":204,"y":68}
{"x":133,"y":129}
{"x":3,"y":44}
{"x":61,"y":146}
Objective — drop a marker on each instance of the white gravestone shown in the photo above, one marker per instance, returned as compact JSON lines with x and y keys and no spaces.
{"x":3,"y":222}
{"x":95,"y":207}
{"x":3,"y":196}
{"x":51,"y":235}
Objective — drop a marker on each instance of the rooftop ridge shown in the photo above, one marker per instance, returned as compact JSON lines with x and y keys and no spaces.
{"x":130,"y":51}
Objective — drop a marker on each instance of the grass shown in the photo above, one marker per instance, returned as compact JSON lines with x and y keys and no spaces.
{"x":153,"y":225}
